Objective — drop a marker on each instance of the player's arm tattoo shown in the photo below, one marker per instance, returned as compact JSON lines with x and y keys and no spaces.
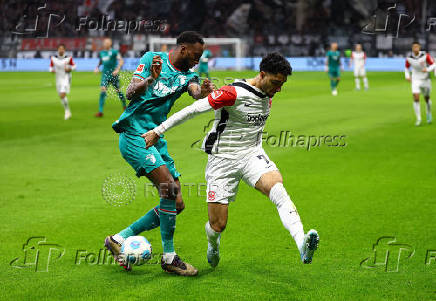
{"x":194,"y":90}
{"x":197,"y":92}
{"x":138,"y":87}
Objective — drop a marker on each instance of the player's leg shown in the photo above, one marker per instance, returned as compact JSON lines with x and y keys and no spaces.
{"x":101,"y":100}
{"x":416,"y":104}
{"x":271,"y":184}
{"x":150,"y":220}
{"x":365,"y":79}
{"x":223,"y":177}
{"x":426,"y":91}
{"x":116,"y":83}
{"x":357,"y":79}
{"x":261,"y":173}
{"x":168,"y":192}
{"x":64,"y":101}
{"x":149,"y":162}
{"x":218,"y":215}
{"x":334,"y":81}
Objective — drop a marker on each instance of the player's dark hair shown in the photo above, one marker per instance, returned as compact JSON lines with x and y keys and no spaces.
{"x":63,"y":45}
{"x":275,"y":63}
{"x":416,"y":42}
{"x":190,"y":37}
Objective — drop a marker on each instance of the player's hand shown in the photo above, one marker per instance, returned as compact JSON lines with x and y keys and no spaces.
{"x":67,"y":68}
{"x":408,"y":79}
{"x":424,"y":69}
{"x":206,"y":88}
{"x":115,"y":73}
{"x":150,"y":138}
{"x":96,"y":70}
{"x":156,"y":66}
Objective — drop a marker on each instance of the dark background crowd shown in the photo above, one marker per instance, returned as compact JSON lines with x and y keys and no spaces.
{"x":294,"y":27}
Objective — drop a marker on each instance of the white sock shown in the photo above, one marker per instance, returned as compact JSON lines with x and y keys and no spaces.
{"x":429,"y":107}
{"x":417,"y":108}
{"x":365,"y":82}
{"x":288,"y":213}
{"x":168,"y":257}
{"x":64,"y":102}
{"x":118,"y":238}
{"x":357,"y":81}
{"x":213,"y":237}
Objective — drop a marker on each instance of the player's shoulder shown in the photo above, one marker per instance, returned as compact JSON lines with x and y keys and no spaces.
{"x":150,"y":54}
{"x":242,"y":89}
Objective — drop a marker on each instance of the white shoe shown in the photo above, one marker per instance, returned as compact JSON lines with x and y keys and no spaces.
{"x":418,"y":123}
{"x":310,"y":244}
{"x":335,"y":92}
{"x":213,"y":256}
{"x":67,"y":115}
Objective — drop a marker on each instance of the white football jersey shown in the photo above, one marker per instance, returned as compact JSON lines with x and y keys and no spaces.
{"x":417,"y":63}
{"x":359,"y":58}
{"x":241,"y":111}
{"x":58,"y":64}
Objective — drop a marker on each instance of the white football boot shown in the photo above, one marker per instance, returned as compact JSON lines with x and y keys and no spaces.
{"x":310,"y":244}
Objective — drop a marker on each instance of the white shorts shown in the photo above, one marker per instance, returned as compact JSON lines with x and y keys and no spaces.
{"x":359,"y":72}
{"x":223,"y":175}
{"x":63,"y":86}
{"x":422,"y":86}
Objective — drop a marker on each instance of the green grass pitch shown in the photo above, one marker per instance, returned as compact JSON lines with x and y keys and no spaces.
{"x":381,"y":183}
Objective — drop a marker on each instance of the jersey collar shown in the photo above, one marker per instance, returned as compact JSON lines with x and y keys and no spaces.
{"x":169,"y":60}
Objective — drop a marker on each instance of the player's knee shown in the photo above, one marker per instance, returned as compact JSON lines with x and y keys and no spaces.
{"x":103,"y":89}
{"x":168,"y":189}
{"x":180,"y":206}
{"x":218,"y":225}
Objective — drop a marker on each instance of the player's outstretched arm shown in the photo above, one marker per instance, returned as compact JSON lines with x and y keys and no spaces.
{"x":225,"y":96}
{"x":200,"y":106}
{"x":197,"y":91}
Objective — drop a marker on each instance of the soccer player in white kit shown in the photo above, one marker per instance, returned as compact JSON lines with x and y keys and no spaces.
{"x":358,"y":57}
{"x":234,"y":148}
{"x":62,"y":65}
{"x":421,"y":64}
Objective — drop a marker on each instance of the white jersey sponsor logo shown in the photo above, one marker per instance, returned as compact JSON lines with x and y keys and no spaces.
{"x":237,"y":129}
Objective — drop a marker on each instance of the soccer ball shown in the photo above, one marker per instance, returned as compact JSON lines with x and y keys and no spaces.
{"x":136,"y":250}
